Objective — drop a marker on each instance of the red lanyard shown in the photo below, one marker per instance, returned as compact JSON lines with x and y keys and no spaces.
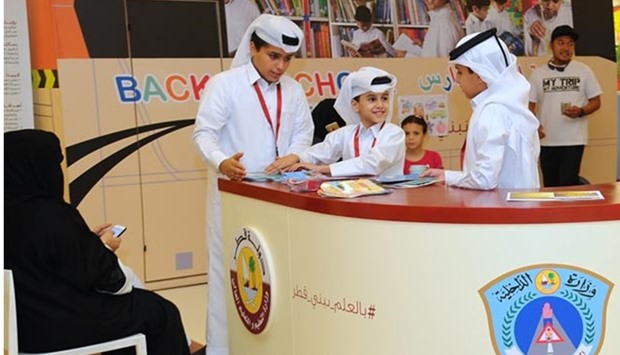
{"x":462,"y":156}
{"x":275,"y":131}
{"x":356,"y":140}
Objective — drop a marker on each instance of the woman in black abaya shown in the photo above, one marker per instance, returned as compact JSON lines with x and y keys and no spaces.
{"x":70,"y":288}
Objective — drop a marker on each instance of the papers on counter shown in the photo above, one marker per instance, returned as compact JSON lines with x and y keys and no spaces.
{"x":351,"y":188}
{"x":555,"y":196}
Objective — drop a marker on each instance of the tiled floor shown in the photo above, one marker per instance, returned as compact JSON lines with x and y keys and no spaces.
{"x":192,"y":303}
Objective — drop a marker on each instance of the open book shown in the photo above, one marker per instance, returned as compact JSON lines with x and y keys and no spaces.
{"x":374,"y":48}
{"x":404,"y":43}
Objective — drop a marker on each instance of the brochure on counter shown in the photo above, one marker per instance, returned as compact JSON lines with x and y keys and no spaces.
{"x":351,"y":188}
{"x":297,"y":181}
{"x":308,"y":181}
{"x":262,"y":177}
{"x":405,"y":181}
{"x":555,"y":196}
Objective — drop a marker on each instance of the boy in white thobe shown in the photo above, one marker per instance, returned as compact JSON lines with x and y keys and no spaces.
{"x":249,"y":116}
{"x":502,"y":145}
{"x":369,"y":144}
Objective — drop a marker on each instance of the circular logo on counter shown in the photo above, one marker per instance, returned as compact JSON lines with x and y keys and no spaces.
{"x":547,"y":309}
{"x":250,"y":280}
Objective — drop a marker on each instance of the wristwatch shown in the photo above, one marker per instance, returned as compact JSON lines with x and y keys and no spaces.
{"x":581,"y":112}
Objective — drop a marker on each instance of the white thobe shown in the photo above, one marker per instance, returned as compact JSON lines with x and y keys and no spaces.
{"x":385,"y":158}
{"x":230,"y":120}
{"x":496,"y":154}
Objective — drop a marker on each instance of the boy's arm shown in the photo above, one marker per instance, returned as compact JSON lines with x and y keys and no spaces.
{"x":303,"y":128}
{"x":213,"y":113}
{"x":490,"y":140}
{"x":389,"y":150}
{"x":328,"y":151}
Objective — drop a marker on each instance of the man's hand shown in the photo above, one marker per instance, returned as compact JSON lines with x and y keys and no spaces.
{"x":538,"y":30}
{"x":572,"y":111}
{"x":541,"y":132}
{"x":281,"y":164}
{"x":233,"y":168}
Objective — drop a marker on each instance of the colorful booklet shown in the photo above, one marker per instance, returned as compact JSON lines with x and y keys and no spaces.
{"x":555,"y":196}
{"x":351,"y":188}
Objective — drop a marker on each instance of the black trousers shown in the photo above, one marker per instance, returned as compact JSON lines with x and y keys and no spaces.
{"x":157,"y":318}
{"x":560,"y":165}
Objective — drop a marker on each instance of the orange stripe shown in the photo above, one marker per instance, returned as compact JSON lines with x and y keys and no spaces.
{"x":71,"y":41}
{"x":42,"y":35}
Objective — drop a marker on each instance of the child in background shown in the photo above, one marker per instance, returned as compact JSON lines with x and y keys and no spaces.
{"x":478,"y":21}
{"x":416,"y":131}
{"x":365,"y":31}
{"x":500,"y":17}
{"x":444,"y":29}
{"x":368,"y":144}
{"x":369,"y":39}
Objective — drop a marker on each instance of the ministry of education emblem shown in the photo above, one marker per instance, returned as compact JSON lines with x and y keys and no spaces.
{"x":250,"y":280}
{"x":547,"y":309}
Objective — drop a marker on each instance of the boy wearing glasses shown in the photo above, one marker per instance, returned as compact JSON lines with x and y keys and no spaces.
{"x":502,"y":146}
{"x":540,"y":20}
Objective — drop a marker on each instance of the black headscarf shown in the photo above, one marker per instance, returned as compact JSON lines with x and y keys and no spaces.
{"x":32,"y":166}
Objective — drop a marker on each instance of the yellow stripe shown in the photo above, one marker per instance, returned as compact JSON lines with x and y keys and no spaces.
{"x":36,"y":78}
{"x":50,"y":78}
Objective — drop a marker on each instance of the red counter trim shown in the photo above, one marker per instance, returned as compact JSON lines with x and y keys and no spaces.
{"x":438,"y":204}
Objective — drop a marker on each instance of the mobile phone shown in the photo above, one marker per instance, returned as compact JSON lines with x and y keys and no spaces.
{"x":118,"y":230}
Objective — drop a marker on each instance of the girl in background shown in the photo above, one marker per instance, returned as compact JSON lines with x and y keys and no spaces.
{"x":416,"y":131}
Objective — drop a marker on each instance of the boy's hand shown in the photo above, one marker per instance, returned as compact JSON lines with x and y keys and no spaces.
{"x":323,"y":169}
{"x":353,"y":53}
{"x":438,"y":174}
{"x":281,"y":164}
{"x":233,"y":168}
{"x":538,"y":30}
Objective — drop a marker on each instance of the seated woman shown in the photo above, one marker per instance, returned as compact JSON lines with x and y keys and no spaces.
{"x":71,"y":290}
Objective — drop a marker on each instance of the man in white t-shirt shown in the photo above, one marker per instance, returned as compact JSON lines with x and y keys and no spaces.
{"x":563,"y":93}
{"x":540,"y":20}
{"x":239,"y":15}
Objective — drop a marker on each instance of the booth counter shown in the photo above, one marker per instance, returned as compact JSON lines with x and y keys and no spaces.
{"x":430,"y":270}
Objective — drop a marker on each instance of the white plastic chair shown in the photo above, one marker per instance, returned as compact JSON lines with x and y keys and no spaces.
{"x":10,"y":330}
